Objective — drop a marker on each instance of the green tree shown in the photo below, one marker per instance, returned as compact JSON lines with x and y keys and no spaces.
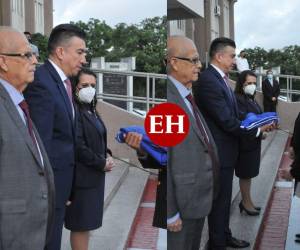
{"x":146,"y":41}
{"x":98,"y":38}
{"x":41,"y":42}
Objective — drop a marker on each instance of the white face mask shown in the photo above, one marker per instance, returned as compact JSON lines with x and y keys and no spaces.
{"x":250,"y":89}
{"x":87,"y":94}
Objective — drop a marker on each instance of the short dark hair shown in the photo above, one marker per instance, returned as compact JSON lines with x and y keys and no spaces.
{"x":63,"y":33}
{"x":241,"y":80}
{"x":219,"y":44}
{"x":27,"y":33}
{"x":242,"y":51}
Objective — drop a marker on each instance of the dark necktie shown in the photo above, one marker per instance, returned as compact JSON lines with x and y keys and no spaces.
{"x":69,"y":90}
{"x":211,"y":152}
{"x":197,"y":117}
{"x":24,"y":106}
{"x":226,"y":79}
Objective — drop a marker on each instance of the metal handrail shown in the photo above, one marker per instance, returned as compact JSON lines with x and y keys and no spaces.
{"x":130,"y":73}
{"x":149,"y":99}
{"x":289,"y":84}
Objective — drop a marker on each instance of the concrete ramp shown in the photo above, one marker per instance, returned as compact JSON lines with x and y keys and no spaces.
{"x":247,"y":227}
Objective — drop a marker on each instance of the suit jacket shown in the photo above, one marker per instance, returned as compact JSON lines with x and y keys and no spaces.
{"x":51,"y":112}
{"x":160,"y":213}
{"x":26,"y":186}
{"x":270,"y":91}
{"x":221,"y":114}
{"x":91,"y":150}
{"x":190,"y":171}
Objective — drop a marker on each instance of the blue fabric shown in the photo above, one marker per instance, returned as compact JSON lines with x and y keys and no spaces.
{"x":157,"y":152}
{"x":257,"y":120}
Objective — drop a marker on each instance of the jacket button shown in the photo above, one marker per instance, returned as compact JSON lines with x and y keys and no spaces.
{"x":158,"y":183}
{"x":45,"y":196}
{"x":41,"y":173}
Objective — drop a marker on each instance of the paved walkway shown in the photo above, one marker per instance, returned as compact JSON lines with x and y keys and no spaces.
{"x":143,"y":235}
{"x":281,"y":221}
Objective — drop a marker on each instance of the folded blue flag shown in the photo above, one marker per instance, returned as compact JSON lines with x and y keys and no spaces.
{"x":257,"y":120}
{"x":157,"y":152}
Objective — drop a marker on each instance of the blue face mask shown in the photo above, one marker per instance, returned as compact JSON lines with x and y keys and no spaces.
{"x":270,"y":76}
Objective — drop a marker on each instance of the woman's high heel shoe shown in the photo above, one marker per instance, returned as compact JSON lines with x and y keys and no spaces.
{"x":257,"y":208}
{"x":251,"y":213}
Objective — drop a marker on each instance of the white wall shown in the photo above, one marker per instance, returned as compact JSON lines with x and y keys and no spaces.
{"x":18,"y":15}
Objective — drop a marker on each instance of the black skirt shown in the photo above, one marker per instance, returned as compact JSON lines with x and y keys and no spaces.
{"x":86,"y":211}
{"x":248,"y":164}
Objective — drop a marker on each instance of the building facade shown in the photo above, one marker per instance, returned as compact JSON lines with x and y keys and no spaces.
{"x":202,"y":21}
{"x":35,"y":16}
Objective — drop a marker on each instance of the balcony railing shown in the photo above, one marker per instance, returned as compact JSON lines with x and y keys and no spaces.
{"x":145,"y":82}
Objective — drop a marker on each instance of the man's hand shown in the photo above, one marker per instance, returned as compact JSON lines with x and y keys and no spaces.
{"x":109,"y":164}
{"x":175,"y":226}
{"x":285,"y":174}
{"x":133,"y":140}
{"x":291,"y":153}
{"x":268,"y":127}
{"x":273,"y":99}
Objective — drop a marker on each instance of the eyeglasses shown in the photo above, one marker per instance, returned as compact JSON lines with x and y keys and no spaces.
{"x":194,"y":61}
{"x":27,"y":55}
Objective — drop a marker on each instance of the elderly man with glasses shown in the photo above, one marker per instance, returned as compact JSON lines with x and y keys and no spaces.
{"x":26,"y":178}
{"x":193,"y":164}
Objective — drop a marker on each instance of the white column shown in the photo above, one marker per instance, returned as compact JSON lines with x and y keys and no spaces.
{"x":130,"y":93}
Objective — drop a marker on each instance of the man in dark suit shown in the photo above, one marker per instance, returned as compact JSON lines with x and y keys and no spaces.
{"x":271,"y":91}
{"x":26,"y":178}
{"x":217,"y":103}
{"x":133,"y":140}
{"x":51,"y":105}
{"x":192,"y":164}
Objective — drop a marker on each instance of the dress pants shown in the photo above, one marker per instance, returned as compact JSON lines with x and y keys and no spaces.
{"x":269,"y":107}
{"x":189,"y":237}
{"x":55,"y":238}
{"x":218,"y":219}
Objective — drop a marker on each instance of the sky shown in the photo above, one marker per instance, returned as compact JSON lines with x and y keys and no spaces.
{"x":267,"y":23}
{"x":111,"y":11}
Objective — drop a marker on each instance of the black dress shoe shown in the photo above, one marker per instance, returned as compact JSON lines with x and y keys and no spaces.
{"x":251,"y":213}
{"x":236,"y":243}
{"x":297,"y":240}
{"x":297,"y":235}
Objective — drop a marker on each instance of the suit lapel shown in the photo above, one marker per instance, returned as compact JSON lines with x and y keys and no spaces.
{"x":14,"y":114}
{"x":61,"y":88}
{"x":223,"y":84}
{"x":173,"y":91}
{"x":91,"y":118}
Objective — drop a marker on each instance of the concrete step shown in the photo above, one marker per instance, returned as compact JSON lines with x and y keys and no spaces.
{"x":114,"y":184}
{"x":273,"y":144}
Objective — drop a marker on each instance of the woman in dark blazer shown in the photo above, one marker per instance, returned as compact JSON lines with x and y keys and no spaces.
{"x":86,"y":210}
{"x":249,"y":148}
